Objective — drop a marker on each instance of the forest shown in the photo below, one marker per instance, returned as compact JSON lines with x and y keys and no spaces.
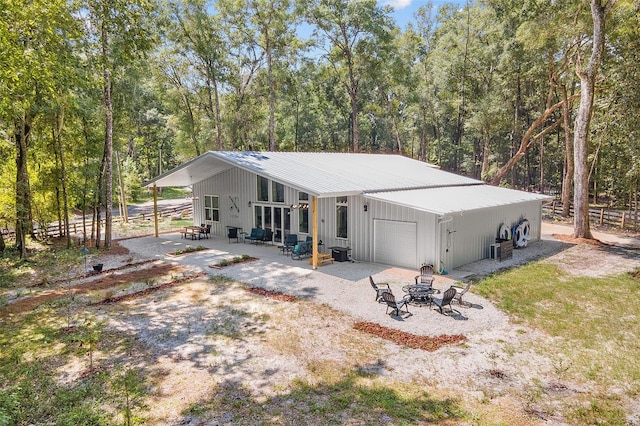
{"x":97,"y":96}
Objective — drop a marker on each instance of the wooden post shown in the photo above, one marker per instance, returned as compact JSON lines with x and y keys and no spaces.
{"x":553,"y":207}
{"x":155,"y":208}
{"x":314,"y":231}
{"x":624,"y":214}
{"x":601,"y":216}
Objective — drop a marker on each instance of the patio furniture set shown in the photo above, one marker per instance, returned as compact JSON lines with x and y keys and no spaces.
{"x":420,"y":293}
{"x":199,"y":232}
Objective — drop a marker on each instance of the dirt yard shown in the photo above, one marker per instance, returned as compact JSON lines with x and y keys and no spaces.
{"x":216,"y":352}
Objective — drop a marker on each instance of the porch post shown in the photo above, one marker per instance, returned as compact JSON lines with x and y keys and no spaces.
{"x":155,"y":208}
{"x":314,"y":231}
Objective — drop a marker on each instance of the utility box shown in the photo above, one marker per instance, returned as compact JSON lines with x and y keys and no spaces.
{"x":502,"y":250}
{"x":339,"y":254}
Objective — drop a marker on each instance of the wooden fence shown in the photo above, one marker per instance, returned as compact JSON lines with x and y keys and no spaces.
{"x":604,"y":216}
{"x":75,"y":226}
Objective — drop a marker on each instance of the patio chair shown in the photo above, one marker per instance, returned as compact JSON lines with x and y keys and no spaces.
{"x":426,"y":275}
{"x":379,"y":288}
{"x":447,"y":297}
{"x":289,"y":243}
{"x":300,"y":250}
{"x":268,"y":236}
{"x":397,"y":306}
{"x":461,"y":292}
{"x":204,"y":230}
{"x":256,"y":235}
{"x":232,"y":234}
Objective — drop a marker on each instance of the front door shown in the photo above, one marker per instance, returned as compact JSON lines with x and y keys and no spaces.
{"x":277,"y":219}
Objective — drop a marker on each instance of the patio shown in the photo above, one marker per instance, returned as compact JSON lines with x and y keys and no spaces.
{"x":341,"y":285}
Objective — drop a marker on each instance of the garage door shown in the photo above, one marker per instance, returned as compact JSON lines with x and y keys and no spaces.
{"x":395,"y":243}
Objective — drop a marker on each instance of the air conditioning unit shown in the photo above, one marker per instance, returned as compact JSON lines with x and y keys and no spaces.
{"x":495,"y":251}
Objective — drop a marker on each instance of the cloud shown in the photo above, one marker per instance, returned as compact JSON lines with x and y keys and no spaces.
{"x":397,"y":4}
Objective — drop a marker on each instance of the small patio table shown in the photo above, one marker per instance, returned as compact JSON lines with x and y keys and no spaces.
{"x":419,"y":294}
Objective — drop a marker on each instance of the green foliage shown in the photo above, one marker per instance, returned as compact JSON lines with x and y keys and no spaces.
{"x":130,"y":388}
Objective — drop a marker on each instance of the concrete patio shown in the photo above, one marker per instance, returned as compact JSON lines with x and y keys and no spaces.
{"x":342,"y":285}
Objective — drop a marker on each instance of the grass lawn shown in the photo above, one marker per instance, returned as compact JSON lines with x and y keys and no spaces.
{"x":596,"y":322}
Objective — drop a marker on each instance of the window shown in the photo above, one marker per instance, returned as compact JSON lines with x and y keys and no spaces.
{"x":303,"y":213}
{"x":277,"y":194}
{"x":211,"y":208}
{"x":341,"y":217}
{"x":262,"y":189}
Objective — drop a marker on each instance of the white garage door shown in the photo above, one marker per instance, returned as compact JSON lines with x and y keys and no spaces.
{"x":395,"y":243}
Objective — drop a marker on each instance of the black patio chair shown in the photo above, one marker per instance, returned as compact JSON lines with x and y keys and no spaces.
{"x":232,"y":234}
{"x":447,"y":297}
{"x":379,"y":288}
{"x":267,"y":238}
{"x":204,"y":230}
{"x":397,"y":306}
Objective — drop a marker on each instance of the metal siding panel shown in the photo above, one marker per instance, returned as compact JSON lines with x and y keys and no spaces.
{"x":395,"y":242}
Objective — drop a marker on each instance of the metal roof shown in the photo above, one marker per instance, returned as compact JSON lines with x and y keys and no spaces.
{"x":442,"y":201}
{"x":319,"y":173}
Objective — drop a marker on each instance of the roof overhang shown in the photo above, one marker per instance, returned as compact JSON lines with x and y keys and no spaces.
{"x":191,"y":172}
{"x":457,"y":199}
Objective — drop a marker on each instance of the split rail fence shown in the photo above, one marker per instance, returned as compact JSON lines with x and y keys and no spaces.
{"x":55,"y":230}
{"x":604,"y":216}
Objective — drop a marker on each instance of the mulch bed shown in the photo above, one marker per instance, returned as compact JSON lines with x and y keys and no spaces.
{"x":232,"y":263}
{"x":414,"y":341}
{"x":150,"y":290}
{"x":31,"y":302}
{"x":93,"y":273}
{"x":272,"y":294}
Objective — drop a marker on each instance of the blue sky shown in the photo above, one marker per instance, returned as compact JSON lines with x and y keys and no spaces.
{"x":404,"y":9}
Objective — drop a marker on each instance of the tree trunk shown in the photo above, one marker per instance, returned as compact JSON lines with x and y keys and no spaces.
{"x":108,"y":143}
{"x":583,"y":120}
{"x":23,"y":190}
{"x":485,"y":157}
{"x":63,"y":175}
{"x":272,"y":94}
{"x":567,"y":179}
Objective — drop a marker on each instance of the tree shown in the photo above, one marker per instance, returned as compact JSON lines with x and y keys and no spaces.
{"x":35,"y":40}
{"x":121,"y":32}
{"x":351,"y":32}
{"x":273,"y":21}
{"x":587,"y":74}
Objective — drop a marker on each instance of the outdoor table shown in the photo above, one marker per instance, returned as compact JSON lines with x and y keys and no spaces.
{"x":419,"y":293}
{"x":192,"y":232}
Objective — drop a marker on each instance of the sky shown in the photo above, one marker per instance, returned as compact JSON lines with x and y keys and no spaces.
{"x":405,"y":9}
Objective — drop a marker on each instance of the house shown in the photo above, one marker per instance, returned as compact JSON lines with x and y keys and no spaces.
{"x":386,"y":208}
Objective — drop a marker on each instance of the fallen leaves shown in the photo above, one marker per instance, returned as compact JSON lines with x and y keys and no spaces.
{"x":426,"y":343}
